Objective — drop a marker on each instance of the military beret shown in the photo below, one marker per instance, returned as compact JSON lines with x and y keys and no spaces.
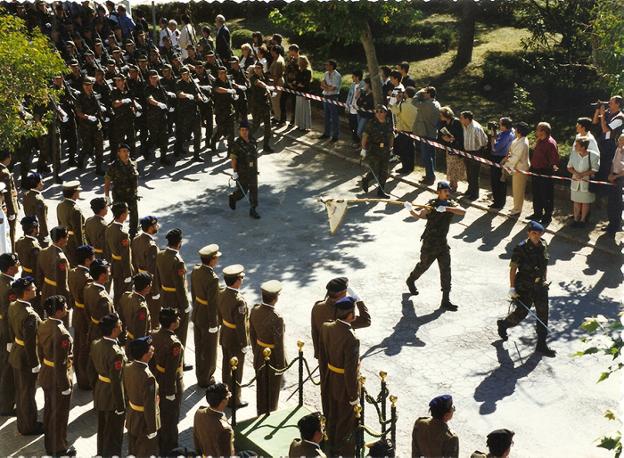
{"x":244,"y":124}
{"x":210,"y":250}
{"x":142,"y":57}
{"x":98,"y":267}
{"x":133,"y":68}
{"x":89,"y":53}
{"x":443,"y":402}
{"x":111,"y":62}
{"x":100,"y":263}
{"x":142,"y":280}
{"x":199,"y":64}
{"x":73,"y":62}
{"x":152,"y":73}
{"x":235,"y":270}
{"x":271,"y":287}
{"x":22,"y":283}
{"x":380,"y":107}
{"x":138,"y":347}
{"x":184,"y":69}
{"x":222,"y":68}
{"x":97,"y":204}
{"x":500,"y":439}
{"x":234,"y":59}
{"x":116,"y":51}
{"x":8,"y":260}
{"x":210,"y":54}
{"x":174,"y":236}
{"x":123,"y":146}
{"x":54,"y":303}
{"x":443,"y":185}
{"x":72,"y":185}
{"x":535,"y":226}
{"x":85,"y":251}
{"x":119,"y":76}
{"x":88,"y":80}
{"x":29,"y":221}
{"x":57,"y":233}
{"x":167,"y":67}
{"x":148,"y":221}
{"x":346,"y":303}
{"x":337,"y":285}
{"x":98,"y":40}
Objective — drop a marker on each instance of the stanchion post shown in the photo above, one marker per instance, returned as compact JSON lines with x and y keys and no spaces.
{"x":362,"y":396}
{"x":300,"y":347}
{"x":383,"y":376}
{"x":359,"y":431}
{"x":393,"y":416}
{"x":233,"y":388}
{"x":267,"y":378}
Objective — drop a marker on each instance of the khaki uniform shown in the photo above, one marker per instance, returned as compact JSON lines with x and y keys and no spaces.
{"x":10,"y":200}
{"x":106,"y":365}
{"x":234,"y":336}
{"x":143,"y":416}
{"x":23,"y":324}
{"x":134,"y":314}
{"x":433,"y":438}
{"x":302,"y":448}
{"x":34,"y":205}
{"x":212,"y":434}
{"x":27,"y":249}
{"x":98,"y":304}
{"x":167,"y":366}
{"x":95,"y":228}
{"x":70,"y":216}
{"x":55,"y":377}
{"x":7,"y":385}
{"x":266,"y":330}
{"x":118,"y":245}
{"x":144,"y":252}
{"x":171,"y":275}
{"x":52,"y":268}
{"x":205,"y":293}
{"x":339,"y":361}
{"x":77,"y":280}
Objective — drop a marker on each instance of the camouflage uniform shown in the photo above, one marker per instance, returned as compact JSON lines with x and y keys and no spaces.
{"x":224,"y":114}
{"x":260,"y":107}
{"x":246,"y":155}
{"x":380,"y":138}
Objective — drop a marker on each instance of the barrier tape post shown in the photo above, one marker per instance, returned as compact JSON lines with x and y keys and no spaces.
{"x":393,"y":416}
{"x":359,"y":431}
{"x":300,"y":347}
{"x":234,"y":388}
{"x":362,"y":396}
{"x":267,"y":377}
{"x":383,"y":376}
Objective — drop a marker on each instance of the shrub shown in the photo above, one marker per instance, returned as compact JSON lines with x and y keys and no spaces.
{"x":240,"y":36}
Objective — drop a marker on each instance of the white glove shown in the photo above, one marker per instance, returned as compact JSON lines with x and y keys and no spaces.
{"x":128,"y":280}
{"x":234,"y":176}
{"x":36,"y":369}
{"x":231,"y":91}
{"x":242,"y":87}
{"x":512,"y":293}
{"x":64,"y":118}
{"x":188,"y":309}
{"x":244,"y":350}
{"x":441,"y":208}
{"x":137,"y":114}
{"x":171,"y":94}
{"x":119,"y":412}
{"x":171,"y":110}
{"x":190,"y":96}
{"x":353,"y":293}
{"x":408,"y":206}
{"x":106,"y":119}
{"x":152,"y":435}
{"x":171,"y":397}
{"x":102,"y":108}
{"x":108,"y":201}
{"x":91,"y":118}
{"x":9,"y":346}
{"x":162,"y":106}
{"x":67,"y":392}
{"x":156,"y":297}
{"x":11,"y":217}
{"x":213,"y":330}
{"x":362,"y":153}
{"x":126,"y":101}
{"x":354,"y":402}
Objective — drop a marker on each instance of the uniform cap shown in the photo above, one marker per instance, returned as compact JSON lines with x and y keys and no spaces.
{"x":443,"y":185}
{"x":8,"y":260}
{"x":535,"y":226}
{"x":129,"y":42}
{"x":337,"y":285}
{"x":235,"y":270}
{"x":234,"y":59}
{"x":346,"y":303}
{"x":210,"y":250}
{"x":184,"y":69}
{"x":89,"y":53}
{"x":111,"y":62}
{"x":73,"y":62}
{"x":500,"y":439}
{"x":133,"y":68}
{"x":22,"y":283}
{"x":123,"y":146}
{"x":99,"y":263}
{"x":148,"y":221}
{"x":244,"y":124}
{"x":29,"y":221}
{"x":271,"y":287}
{"x":174,"y":236}
{"x":72,"y":186}
{"x":443,"y":402}
{"x":142,"y":57}
{"x":119,"y":76}
{"x":84,"y":251}
{"x":88,"y":80}
{"x":152,"y":73}
{"x":380,"y":107}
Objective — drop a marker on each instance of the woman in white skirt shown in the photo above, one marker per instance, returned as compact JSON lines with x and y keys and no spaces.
{"x":583,"y":165}
{"x":303,"y":112}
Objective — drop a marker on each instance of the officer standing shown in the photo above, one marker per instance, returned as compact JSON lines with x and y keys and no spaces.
{"x":10,"y":193}
{"x":499,"y":444}
{"x":118,"y":245}
{"x":23,"y":357}
{"x":234,"y":338}
{"x":212,"y":434}
{"x":223,"y":95}
{"x":52,"y":265}
{"x":205,"y":291}
{"x":143,"y":417}
{"x":144,"y":252}
{"x":266,"y":330}
{"x":167,"y":366}
{"x":244,"y":158}
{"x":431,"y":436}
{"x":529,"y":286}
{"x":55,"y":377}
{"x":439,"y":214}
{"x":122,"y":125}
{"x":77,"y":279}
{"x":122,"y":178}
{"x":260,"y":104}
{"x":70,"y":216}
{"x":34,"y":205}
{"x":339,"y":361}
{"x":9,"y":267}
{"x":187,"y":122}
{"x":157,"y":108}
{"x":27,"y":247}
{"x":377,"y":141}
{"x":206,"y":108}
{"x":98,"y":303}
{"x":106,"y":363}
{"x":133,"y":307}
{"x":89,"y":116}
{"x":95,"y":228}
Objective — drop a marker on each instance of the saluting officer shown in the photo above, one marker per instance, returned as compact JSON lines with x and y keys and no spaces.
{"x":144,"y":252}
{"x":9,"y":267}
{"x":95,"y":227}
{"x":77,"y":279}
{"x":89,"y":115}
{"x":339,"y":361}
{"x":143,"y":417}
{"x":167,"y":366}
{"x":97,"y":301}
{"x":377,"y":140}
{"x":34,"y":205}
{"x":23,"y":357}
{"x":133,"y":307}
{"x":55,"y":377}
{"x":260,"y":104}
{"x":244,"y":156}
{"x":431,"y":436}
{"x":529,"y":286}
{"x":70,"y":216}
{"x":234,"y":338}
{"x":52,"y":265}
{"x":10,"y":193}
{"x":122,"y":178}
{"x":106,"y":363}
{"x":266,"y":330}
{"x":118,"y":245}
{"x":205,"y":292}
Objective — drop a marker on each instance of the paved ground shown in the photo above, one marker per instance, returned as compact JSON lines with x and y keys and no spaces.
{"x":554,"y":405}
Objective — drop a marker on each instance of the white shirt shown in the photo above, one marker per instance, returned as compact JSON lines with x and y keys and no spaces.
{"x":474,"y":137}
{"x":332,"y":79}
{"x":187,"y":37}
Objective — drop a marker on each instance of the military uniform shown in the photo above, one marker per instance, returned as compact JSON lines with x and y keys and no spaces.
{"x":118,"y":245}
{"x":379,"y":147}
{"x":90,"y":132}
{"x":98,"y":304}
{"x":122,"y":125}
{"x":49,"y":143}
{"x":95,"y":228}
{"x":55,"y":377}
{"x":70,"y":216}
{"x":52,"y":268}
{"x":260,"y":106}
{"x":171,"y":274}
{"x":10,"y":200}
{"x":157,"y":120}
{"x":187,"y":121}
{"x":144,"y":252}
{"x":224,"y":113}
{"x":27,"y":249}
{"x":240,"y":106}
{"x":246,"y":155}
{"x":106,"y":365}
{"x":212,"y":434}
{"x":125,"y":189}
{"x":34,"y":205}
{"x":167,"y":365}
{"x":134,"y":314}
{"x":303,"y":448}
{"x":206,"y":109}
{"x":234,"y":336}
{"x":143,"y":416}
{"x":23,"y":325}
{"x":7,"y":385}
{"x":433,"y":438}
{"x":77,"y":279}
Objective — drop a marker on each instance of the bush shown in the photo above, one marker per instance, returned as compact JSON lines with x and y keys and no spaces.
{"x":240,"y":36}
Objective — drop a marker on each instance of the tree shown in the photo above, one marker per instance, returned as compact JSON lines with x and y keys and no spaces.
{"x":344,"y":23}
{"x":608,"y":42}
{"x":27,"y":65}
{"x":465,"y":44}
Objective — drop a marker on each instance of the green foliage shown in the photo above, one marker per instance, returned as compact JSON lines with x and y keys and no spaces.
{"x":608,"y":42}
{"x":27,"y":65}
{"x":240,"y":36}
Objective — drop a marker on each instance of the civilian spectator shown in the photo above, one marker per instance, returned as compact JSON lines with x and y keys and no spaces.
{"x":582,"y":164}
{"x":187,"y":35}
{"x":291,"y":68}
{"x":247,"y":59}
{"x":397,"y":87}
{"x":406,"y":80}
{"x":500,"y":148}
{"x":475,"y":140}
{"x":517,"y":161}
{"x":256,"y":41}
{"x":499,"y":444}
{"x":276,"y":72}
{"x":330,"y":84}
{"x":365,"y":105}
{"x":351,"y":102}
{"x":173,"y":33}
{"x":263,"y":58}
{"x":451,"y":133}
{"x":276,"y":39}
{"x":583,"y":129}
{"x":386,"y":84}
{"x":616,"y":177}
{"x":544,"y":160}
{"x":206,"y":40}
{"x":611,"y":124}
{"x":431,"y":436}
{"x":112,"y":14}
{"x":426,"y":126}
{"x":303,"y":112}
{"x":404,"y":112}
{"x":223,"y":42}
{"x":125,"y":22}
{"x":312,"y":433}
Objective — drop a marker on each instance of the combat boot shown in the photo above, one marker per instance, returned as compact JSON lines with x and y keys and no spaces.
{"x":267,"y":149}
{"x":253,"y":213}
{"x":232,"y":202}
{"x":543,"y":348}
{"x":411,"y":286}
{"x":446,"y":302}
{"x":502,"y":329}
{"x":364,"y":184}
{"x":382,"y":194}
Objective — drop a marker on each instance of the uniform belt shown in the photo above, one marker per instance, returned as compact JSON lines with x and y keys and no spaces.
{"x":130,"y":335}
{"x":162,"y":370}
{"x":104,"y":379}
{"x":27,"y":270}
{"x":94,"y":321}
{"x":79,"y":305}
{"x":116,"y":257}
{"x":98,"y":250}
{"x":228,"y":324}
{"x":48,"y":363}
{"x":136,"y":407}
{"x":264,"y":344}
{"x":70,"y":232}
{"x":142,"y":270}
{"x":201,"y":301}
{"x":168,"y":289}
{"x":49,"y":282}
{"x":19,"y":342}
{"x":337,"y":370}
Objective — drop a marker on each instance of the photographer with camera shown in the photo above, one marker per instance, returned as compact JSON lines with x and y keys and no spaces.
{"x":610,"y":119}
{"x":501,"y":137}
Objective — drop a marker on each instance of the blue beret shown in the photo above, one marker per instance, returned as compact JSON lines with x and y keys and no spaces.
{"x":85,"y":250}
{"x":148,"y":221}
{"x":443,"y":185}
{"x":28,"y":221}
{"x":244,"y":124}
{"x":444,"y":401}
{"x":138,"y":347}
{"x":535,"y":226}
{"x":123,"y":145}
{"x":22,"y":283}
{"x":346,"y":303}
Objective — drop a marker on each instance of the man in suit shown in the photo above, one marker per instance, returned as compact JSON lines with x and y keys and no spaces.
{"x":223,"y":43}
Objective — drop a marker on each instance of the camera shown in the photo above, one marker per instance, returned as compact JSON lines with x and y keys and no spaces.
{"x":492,"y":127}
{"x":598,"y":103}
